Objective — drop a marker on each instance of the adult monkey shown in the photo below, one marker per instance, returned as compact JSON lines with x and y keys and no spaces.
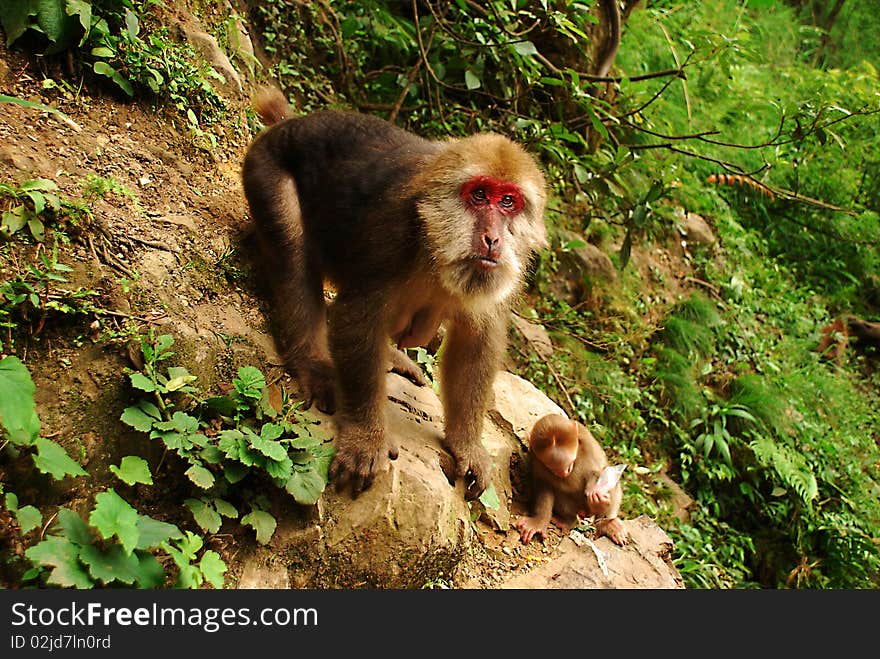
{"x":411,"y":232}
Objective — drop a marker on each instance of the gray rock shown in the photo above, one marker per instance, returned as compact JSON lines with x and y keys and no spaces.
{"x":207,"y":46}
{"x":586,"y":563}
{"x":261,"y":571}
{"x":407,"y":527}
{"x":694,"y":228}
{"x":588,"y":260}
{"x":536,"y":336}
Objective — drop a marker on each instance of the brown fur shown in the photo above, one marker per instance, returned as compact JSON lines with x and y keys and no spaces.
{"x":378,"y":212}
{"x":563,"y":499}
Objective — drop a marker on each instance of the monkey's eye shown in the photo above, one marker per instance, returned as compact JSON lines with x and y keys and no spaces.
{"x":507,"y":201}
{"x":479,"y":195}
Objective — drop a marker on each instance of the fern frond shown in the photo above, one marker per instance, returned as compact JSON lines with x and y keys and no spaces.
{"x":789,"y":465}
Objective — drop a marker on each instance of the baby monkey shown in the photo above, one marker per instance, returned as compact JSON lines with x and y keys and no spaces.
{"x":570,"y":478}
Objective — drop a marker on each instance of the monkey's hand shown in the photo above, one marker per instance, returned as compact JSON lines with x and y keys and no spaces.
{"x":597,"y":497}
{"x":315,"y":381}
{"x":530,"y":527}
{"x":472,"y":463}
{"x":403,"y":365}
{"x":361,"y":453}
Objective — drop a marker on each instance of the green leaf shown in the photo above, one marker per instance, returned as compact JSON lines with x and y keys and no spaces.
{"x":250,"y":382}
{"x":525,"y":48}
{"x":104,"y":69}
{"x":471,"y":80}
{"x":150,"y":573}
{"x":18,"y":415}
{"x":213,"y":567}
{"x":152,"y":532}
{"x":305,"y":486}
{"x":262,"y":522}
{"x":131,"y":23}
{"x":113,"y":516}
{"x":63,"y":555}
{"x":111,"y":564}
{"x":225,"y":508}
{"x":133,"y":469}
{"x":52,"y":459}
{"x":205,"y":516}
{"x":16,"y":18}
{"x":234,"y":472}
{"x":489,"y":498}
{"x":141,"y":417}
{"x":142,"y":382}
{"x":269,"y":448}
{"x":29,"y":518}
{"x":103,"y":51}
{"x":75,"y":529}
{"x":200,"y":476}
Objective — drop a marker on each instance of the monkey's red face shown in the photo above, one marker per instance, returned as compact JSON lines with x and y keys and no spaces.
{"x":494,"y":203}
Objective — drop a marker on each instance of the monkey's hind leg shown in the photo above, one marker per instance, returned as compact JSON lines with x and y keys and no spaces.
{"x":298,"y":309}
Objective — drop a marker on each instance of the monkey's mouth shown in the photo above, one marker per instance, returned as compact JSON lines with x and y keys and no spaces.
{"x":487,"y":263}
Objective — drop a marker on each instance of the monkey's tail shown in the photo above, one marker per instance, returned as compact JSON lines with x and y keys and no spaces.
{"x":271,"y":106}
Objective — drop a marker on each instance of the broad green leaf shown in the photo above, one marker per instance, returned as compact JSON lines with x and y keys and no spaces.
{"x":205,"y":516}
{"x":11,"y":502}
{"x":305,"y":486}
{"x":234,"y":472}
{"x":222,"y":404}
{"x":63,"y":555}
{"x":179,"y":382}
{"x":525,"y":48}
{"x":213,"y":567}
{"x":141,"y":417}
{"x":142,"y":382}
{"x":150,"y":572}
{"x":113,"y":516}
{"x":279,"y":470}
{"x":250,"y":382}
{"x":271,"y":431}
{"x":225,"y":508}
{"x":152,"y":532}
{"x":271,"y":449}
{"x":133,"y":469}
{"x":131,"y":23}
{"x":322,"y":456}
{"x":471,"y":80}
{"x":29,"y":518}
{"x":103,"y":51}
{"x":18,"y":415}
{"x":110,"y":564}
{"x":52,"y":459}
{"x":74,"y":528}
{"x":43,"y":184}
{"x":104,"y":69}
{"x":15,"y":18}
{"x":262,"y":522}
{"x":489,"y":498}
{"x":200,"y":476}
{"x":13,"y":220}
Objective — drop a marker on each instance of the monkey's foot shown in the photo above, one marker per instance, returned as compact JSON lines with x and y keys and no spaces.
{"x":403,"y":365}
{"x":472,"y":463}
{"x":361,"y":453}
{"x":316,"y":383}
{"x":529,"y":527}
{"x":564,"y":525}
{"x":613,"y":528}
